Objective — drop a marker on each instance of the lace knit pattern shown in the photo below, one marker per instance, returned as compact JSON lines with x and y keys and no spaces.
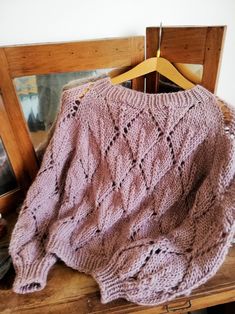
{"x":134,"y":189}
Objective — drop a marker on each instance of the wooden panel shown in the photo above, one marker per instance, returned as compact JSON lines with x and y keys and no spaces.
{"x":73,"y":56}
{"x":193,"y":45}
{"x":179,"y":44}
{"x":211,"y":64}
{"x":16,"y":119}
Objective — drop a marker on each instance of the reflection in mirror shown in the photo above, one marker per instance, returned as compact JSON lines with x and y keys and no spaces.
{"x":192,"y":72}
{"x":7,"y":178}
{"x":39,"y":96}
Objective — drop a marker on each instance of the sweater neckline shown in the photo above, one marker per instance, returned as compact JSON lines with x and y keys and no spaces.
{"x":104,"y":87}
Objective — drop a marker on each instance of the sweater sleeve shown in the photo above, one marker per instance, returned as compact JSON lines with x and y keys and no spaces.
{"x":41,"y":204}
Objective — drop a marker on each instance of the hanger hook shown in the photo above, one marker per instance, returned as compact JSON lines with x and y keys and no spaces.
{"x":159,"y":41}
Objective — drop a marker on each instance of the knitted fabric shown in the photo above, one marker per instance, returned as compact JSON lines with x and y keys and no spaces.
{"x":134,"y":189}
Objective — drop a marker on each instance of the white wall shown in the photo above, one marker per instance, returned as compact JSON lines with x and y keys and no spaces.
{"x":33,"y":21}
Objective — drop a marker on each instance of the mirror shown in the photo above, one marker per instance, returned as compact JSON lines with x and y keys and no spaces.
{"x":39,"y":97}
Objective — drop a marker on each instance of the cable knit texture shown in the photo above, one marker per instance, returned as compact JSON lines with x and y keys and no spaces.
{"x":134,"y":189}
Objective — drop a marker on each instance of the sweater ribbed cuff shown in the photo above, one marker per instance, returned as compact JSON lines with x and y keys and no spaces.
{"x":111,"y":286}
{"x":32,"y":277}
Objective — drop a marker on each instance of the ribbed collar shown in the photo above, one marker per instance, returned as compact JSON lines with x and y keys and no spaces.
{"x":105,"y":88}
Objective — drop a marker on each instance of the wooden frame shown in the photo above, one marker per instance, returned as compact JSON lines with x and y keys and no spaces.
{"x":10,"y":144}
{"x":23,"y":60}
{"x":195,"y":45}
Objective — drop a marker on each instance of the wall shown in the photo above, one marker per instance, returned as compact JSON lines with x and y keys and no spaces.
{"x":28,"y":21}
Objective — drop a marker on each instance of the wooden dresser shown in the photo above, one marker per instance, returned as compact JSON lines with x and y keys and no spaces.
{"x":69,"y":291}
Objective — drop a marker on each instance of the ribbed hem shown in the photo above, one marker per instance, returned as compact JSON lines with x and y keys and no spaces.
{"x":111,"y":286}
{"x":197,"y":94}
{"x":79,"y":260}
{"x":32,"y":277}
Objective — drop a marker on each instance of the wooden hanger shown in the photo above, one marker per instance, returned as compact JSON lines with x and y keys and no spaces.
{"x":158,"y":64}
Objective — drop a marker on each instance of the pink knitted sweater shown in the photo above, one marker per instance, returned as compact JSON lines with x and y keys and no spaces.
{"x":134,"y":189}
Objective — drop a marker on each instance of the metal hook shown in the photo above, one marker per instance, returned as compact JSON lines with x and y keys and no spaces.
{"x":159,"y":41}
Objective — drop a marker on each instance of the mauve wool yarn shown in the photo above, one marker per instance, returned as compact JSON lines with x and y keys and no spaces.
{"x":135,"y":189}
